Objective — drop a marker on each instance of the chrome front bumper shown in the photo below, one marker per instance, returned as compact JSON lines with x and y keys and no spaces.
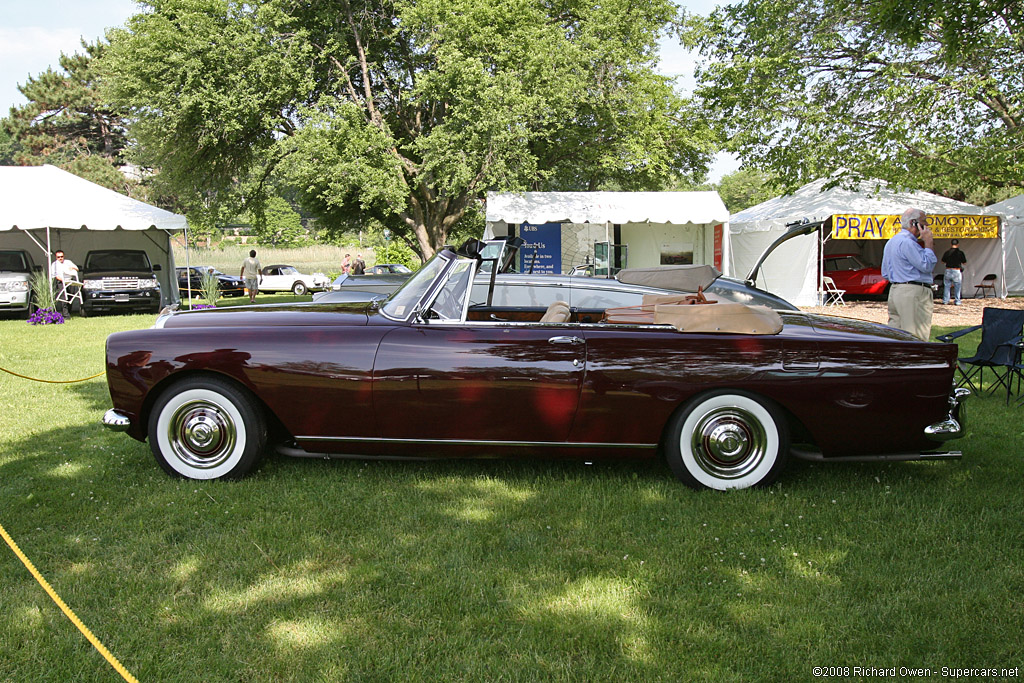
{"x":955,"y":424}
{"x":116,"y":421}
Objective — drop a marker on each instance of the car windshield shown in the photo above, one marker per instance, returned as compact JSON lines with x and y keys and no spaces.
{"x":844,"y":262}
{"x":450,"y":300}
{"x":13,"y":260}
{"x":117,"y":260}
{"x":402,"y":303}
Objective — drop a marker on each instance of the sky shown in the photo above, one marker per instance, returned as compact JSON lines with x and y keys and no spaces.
{"x":33,"y":33}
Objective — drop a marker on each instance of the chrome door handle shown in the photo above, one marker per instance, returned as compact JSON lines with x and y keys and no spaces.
{"x":565,"y":340}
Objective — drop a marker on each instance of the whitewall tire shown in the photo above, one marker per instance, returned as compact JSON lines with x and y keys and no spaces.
{"x":206,"y":428}
{"x":727,"y":439}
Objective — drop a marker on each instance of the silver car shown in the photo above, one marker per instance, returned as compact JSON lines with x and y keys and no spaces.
{"x":582,"y":293}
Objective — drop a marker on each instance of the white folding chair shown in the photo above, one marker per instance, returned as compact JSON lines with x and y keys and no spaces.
{"x":833,"y":296}
{"x":70,"y":292}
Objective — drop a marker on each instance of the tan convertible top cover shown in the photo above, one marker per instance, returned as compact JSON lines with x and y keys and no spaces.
{"x":720,"y":318}
{"x":685,"y":278}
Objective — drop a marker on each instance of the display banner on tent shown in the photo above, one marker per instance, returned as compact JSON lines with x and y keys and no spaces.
{"x":542,"y":252}
{"x":883,"y":227}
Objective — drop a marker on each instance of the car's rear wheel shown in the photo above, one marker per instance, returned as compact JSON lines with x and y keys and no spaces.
{"x":299,"y":288}
{"x":727,"y":439}
{"x":207,"y":428}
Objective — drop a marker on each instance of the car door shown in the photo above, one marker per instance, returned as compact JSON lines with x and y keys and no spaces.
{"x":273,"y":280}
{"x":478,"y":382}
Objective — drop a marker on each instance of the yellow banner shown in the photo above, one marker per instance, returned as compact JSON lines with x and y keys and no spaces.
{"x":883,"y":227}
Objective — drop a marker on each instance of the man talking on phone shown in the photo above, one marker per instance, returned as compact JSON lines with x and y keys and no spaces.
{"x":907,"y":263}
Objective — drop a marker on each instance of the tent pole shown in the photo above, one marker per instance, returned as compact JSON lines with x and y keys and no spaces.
{"x":188,"y":269}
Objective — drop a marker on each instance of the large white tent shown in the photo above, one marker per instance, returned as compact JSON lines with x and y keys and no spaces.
{"x":1012,"y":213}
{"x":43,"y":209}
{"x":792,"y":271}
{"x":658,"y":227}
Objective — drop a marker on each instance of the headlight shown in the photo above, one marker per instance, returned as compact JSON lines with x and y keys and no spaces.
{"x":148,"y":284}
{"x":92,"y":284}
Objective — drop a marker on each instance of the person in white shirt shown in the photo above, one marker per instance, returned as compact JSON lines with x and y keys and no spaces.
{"x":63,"y":268}
{"x":60,"y":270}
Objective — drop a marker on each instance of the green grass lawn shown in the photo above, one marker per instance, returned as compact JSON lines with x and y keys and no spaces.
{"x":486,"y":570}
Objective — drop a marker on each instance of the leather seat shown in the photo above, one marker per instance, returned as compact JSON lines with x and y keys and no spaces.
{"x":558,"y":312}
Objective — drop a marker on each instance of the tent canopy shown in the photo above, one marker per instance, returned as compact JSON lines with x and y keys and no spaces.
{"x":1012,"y":213}
{"x":606,"y":207}
{"x":792,"y":270}
{"x":869,"y":197}
{"x":33,"y":197}
{"x":43,"y":208}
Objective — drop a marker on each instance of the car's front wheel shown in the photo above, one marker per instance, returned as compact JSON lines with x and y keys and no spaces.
{"x":727,"y":439}
{"x":299,"y":288}
{"x":207,"y":428}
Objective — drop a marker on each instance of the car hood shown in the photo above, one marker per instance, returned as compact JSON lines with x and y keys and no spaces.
{"x":94,"y":274}
{"x":269,"y":315}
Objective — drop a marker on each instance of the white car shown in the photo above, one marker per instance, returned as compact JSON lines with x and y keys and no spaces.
{"x":15,"y":281}
{"x":281,"y":278}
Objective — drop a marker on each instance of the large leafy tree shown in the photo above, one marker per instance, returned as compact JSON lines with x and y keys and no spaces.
{"x":924,"y":94}
{"x":67,"y":123}
{"x":404,"y":111}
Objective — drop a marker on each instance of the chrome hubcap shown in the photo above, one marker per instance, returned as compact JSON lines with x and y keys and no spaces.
{"x":202,"y":434}
{"x":728,"y":442}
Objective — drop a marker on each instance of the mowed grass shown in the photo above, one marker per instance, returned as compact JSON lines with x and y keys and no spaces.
{"x":486,"y":570}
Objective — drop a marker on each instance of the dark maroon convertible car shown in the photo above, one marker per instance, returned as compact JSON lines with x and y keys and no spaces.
{"x":724,"y":391}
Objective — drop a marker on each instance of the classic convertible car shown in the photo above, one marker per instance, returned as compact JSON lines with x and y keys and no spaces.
{"x":726,"y":392}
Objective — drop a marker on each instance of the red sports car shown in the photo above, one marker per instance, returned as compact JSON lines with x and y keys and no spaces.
{"x":725,"y":392}
{"x":855,"y":277}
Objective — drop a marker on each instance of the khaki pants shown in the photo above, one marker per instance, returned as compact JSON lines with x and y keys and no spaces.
{"x":910,"y":309}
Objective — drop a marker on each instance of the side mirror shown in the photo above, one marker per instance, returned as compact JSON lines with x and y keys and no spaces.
{"x":156,"y":267}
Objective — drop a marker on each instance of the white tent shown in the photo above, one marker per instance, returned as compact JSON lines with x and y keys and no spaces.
{"x":1012,"y":213}
{"x":43,"y":209}
{"x":792,"y":271}
{"x":657,"y":227}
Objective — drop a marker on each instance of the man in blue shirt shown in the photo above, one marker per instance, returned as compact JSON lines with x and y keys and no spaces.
{"x":907,"y":263}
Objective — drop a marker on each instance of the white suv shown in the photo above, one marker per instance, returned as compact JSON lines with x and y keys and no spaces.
{"x":15,"y":281}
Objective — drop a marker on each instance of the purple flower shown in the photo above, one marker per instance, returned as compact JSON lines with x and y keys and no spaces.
{"x":197,"y":307}
{"x":46,"y":316}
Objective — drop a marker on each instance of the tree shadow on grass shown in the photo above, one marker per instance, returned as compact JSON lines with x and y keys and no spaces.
{"x":498,"y":568}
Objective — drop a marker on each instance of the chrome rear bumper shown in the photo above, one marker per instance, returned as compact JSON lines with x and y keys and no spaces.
{"x":116,"y":421}
{"x":955,"y":424}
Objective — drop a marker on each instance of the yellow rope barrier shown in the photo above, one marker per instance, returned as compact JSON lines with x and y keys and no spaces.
{"x":53,"y":381}
{"x":67,"y":610}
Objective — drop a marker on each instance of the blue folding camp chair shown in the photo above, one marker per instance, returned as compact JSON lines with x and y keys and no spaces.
{"x":1001,"y":330}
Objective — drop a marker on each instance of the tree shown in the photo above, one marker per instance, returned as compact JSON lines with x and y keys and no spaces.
{"x":67,"y":124}
{"x":745,"y":188}
{"x":279,"y":224}
{"x":869,"y":88}
{"x":399,"y":110}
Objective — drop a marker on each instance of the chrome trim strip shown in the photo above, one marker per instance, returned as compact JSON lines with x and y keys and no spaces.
{"x":472,"y":442}
{"x":116,"y":421}
{"x":815,"y":456}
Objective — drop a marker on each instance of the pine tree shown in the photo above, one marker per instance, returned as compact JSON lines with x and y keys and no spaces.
{"x":67,"y":124}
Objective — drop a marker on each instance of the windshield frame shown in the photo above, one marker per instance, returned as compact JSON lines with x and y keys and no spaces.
{"x":411,"y":298}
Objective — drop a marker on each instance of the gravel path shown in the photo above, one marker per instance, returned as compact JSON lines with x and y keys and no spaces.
{"x":966,"y":314}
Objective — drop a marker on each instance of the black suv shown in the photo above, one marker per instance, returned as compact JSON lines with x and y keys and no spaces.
{"x":120,"y":280}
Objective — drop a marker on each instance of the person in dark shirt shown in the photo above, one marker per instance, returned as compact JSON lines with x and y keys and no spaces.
{"x":953,"y":278}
